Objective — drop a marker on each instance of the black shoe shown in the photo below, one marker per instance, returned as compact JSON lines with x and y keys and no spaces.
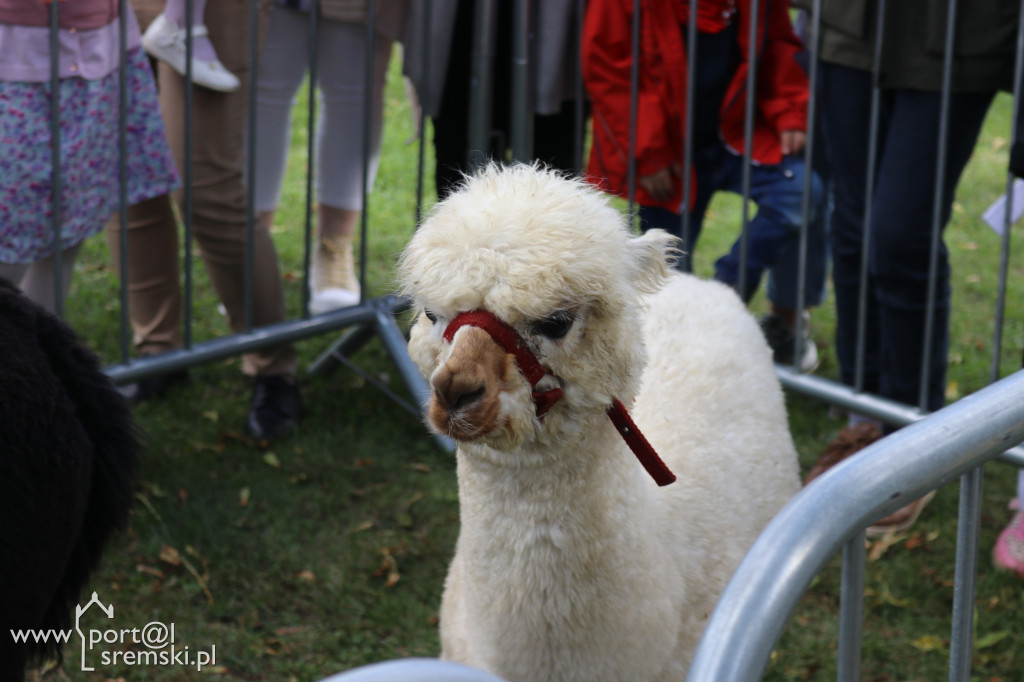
{"x":151,"y":388}
{"x":275,"y":408}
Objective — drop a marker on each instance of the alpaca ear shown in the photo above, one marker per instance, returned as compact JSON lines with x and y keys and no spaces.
{"x":650,"y":256}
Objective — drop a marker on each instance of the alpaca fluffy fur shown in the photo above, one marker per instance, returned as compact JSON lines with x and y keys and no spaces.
{"x":571,"y":564}
{"x":69,"y":452}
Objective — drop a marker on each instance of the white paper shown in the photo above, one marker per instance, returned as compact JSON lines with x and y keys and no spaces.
{"x":995,"y":215}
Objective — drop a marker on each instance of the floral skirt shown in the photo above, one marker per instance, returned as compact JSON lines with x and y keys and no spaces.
{"x":89,"y":179}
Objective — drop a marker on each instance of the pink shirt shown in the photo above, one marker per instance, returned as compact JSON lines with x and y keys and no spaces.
{"x":89,"y":39}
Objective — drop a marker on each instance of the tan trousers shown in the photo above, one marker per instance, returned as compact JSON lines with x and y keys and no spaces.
{"x":218,"y":205}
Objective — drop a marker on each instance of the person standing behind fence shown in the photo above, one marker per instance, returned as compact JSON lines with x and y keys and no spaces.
{"x":720,"y":93}
{"x":445,"y":91}
{"x":341,"y":75}
{"x":90,"y":191}
{"x":900,"y":226}
{"x":219,"y":225}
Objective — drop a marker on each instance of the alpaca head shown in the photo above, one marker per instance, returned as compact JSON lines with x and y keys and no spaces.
{"x":550,"y":259}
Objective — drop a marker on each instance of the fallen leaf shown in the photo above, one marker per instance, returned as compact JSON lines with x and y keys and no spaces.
{"x":306,"y":576}
{"x":882,"y":545}
{"x":389,"y":567}
{"x":365,"y":525}
{"x":243,"y":497}
{"x":145,"y":568}
{"x":363,"y":463}
{"x":952,"y":390}
{"x":292,"y":630}
{"x":211,"y":415}
{"x":928,"y":643}
{"x":421,"y":467}
{"x":271,"y":459}
{"x":170,"y":555}
{"x":182,"y":494}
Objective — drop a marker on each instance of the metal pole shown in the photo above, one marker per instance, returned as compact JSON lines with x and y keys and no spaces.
{"x":748,"y":143}
{"x":122,"y":173}
{"x":686,"y":259}
{"x":634,"y":97}
{"x":307,"y":232}
{"x":55,"y":159}
{"x":869,"y":198}
{"x":851,"y":609}
{"x":521,"y":114}
{"x":368,"y":130}
{"x":481,"y":85}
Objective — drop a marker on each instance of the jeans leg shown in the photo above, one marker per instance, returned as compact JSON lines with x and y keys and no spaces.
{"x":778,"y":193}
{"x":901,"y":231}
{"x":845,"y":107}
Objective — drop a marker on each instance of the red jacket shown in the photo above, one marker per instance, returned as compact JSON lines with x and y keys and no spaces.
{"x":781,"y":89}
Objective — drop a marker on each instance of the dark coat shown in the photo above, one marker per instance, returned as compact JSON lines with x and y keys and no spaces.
{"x":914,"y":38}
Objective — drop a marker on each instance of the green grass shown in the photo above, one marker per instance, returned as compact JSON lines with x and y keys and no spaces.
{"x":329,"y":549}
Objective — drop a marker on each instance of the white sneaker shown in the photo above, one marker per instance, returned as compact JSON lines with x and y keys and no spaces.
{"x":782,"y":340}
{"x":165,"y":41}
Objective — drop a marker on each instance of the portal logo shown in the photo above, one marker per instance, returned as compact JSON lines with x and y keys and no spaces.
{"x":153,"y":644}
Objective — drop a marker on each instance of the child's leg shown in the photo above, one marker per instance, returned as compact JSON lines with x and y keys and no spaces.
{"x":13,"y":272}
{"x":778,"y":193}
{"x":38,"y":282}
{"x":174,"y":10}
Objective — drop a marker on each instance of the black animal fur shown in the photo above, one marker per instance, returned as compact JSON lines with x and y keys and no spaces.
{"x":69,"y":453}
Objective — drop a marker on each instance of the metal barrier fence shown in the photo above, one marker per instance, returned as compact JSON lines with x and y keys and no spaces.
{"x":945,"y":445}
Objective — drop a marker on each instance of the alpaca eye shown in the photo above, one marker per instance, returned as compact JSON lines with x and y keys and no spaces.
{"x":430,"y":316}
{"x":554,"y":327}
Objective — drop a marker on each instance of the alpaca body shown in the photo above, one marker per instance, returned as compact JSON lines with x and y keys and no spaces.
{"x":571,"y":563}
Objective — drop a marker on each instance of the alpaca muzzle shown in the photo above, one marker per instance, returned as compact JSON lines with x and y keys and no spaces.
{"x":514,"y":345}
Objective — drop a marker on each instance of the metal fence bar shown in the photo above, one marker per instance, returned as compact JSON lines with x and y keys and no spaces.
{"x":869,"y":192}
{"x":307,"y":224}
{"x":55,"y":158}
{"x":1004,"y":254}
{"x":188,"y":193}
{"x":961,"y":643}
{"x":634,"y":98}
{"x":250,"y":150}
{"x":938,"y":199}
{"x":125,"y":339}
{"x":748,"y":142}
{"x":521,"y":114}
{"x":880,"y":479}
{"x":686,"y":259}
{"x":480,"y":104}
{"x":805,"y":203}
{"x":851,"y":609}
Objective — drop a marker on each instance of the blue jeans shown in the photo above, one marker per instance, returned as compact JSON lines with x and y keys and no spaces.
{"x":773,"y":233}
{"x":900,"y":227}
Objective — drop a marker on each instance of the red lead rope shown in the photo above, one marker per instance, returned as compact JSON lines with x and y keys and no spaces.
{"x":510,"y":340}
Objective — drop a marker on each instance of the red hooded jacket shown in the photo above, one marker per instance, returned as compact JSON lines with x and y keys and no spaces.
{"x":781,"y":89}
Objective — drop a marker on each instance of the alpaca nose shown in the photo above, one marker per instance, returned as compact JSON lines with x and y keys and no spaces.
{"x":457,"y":391}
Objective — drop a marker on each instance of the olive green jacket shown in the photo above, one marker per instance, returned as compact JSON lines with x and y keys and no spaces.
{"x":914,"y":39}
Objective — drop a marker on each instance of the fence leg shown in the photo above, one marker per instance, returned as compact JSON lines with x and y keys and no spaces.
{"x":961,"y":645}
{"x":851,"y":609}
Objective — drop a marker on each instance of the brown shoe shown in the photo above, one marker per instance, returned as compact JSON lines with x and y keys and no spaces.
{"x":850,"y":440}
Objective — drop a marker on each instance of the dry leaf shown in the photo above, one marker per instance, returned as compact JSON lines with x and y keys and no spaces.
{"x":389,"y":567}
{"x":145,"y":568}
{"x":271,"y":459}
{"x":421,"y":467}
{"x":365,"y":525}
{"x":882,"y":544}
{"x":243,"y":497}
{"x":306,"y":576}
{"x":292,"y":630}
{"x":211,"y":415}
{"x":169,"y":555}
{"x":928,"y":643}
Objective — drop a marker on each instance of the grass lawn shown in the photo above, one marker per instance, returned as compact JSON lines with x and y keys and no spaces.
{"x":328,"y":550}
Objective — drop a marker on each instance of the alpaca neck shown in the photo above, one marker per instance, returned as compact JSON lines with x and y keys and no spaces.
{"x":589,"y":491}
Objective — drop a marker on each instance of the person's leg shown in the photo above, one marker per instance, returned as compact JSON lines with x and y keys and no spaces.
{"x":845,"y":107}
{"x":39,"y":281}
{"x":340,"y":157}
{"x":901,"y":238}
{"x":555,"y":137}
{"x":777,"y":191}
{"x":154,"y":294}
{"x":219,"y":195}
{"x":283,"y":65}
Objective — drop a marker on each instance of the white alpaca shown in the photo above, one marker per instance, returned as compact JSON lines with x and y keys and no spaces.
{"x":571,"y":563}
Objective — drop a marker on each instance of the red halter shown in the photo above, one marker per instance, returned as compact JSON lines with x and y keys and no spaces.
{"x":510,"y":340}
